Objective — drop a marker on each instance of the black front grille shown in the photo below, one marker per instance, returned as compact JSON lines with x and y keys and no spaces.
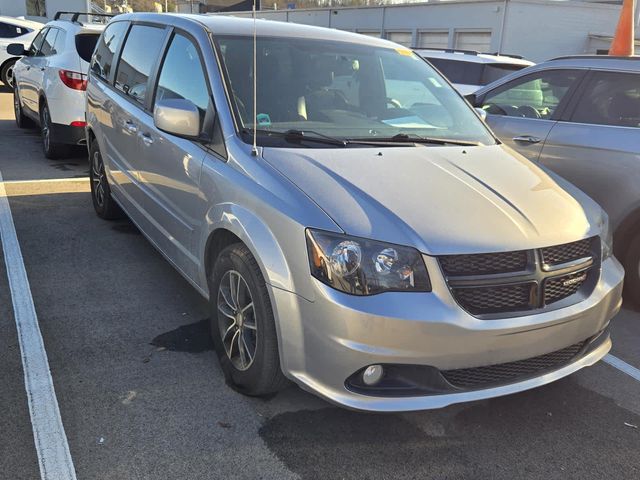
{"x":506,"y":372}
{"x":494,"y":299}
{"x":495,"y":284}
{"x":567,"y":252}
{"x":558,"y":288}
{"x":484,"y":263}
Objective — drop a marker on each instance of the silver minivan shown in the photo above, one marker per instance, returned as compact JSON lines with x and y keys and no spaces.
{"x":354,"y":225}
{"x":580,"y":117}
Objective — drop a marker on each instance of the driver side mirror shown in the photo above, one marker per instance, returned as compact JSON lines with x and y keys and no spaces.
{"x":16,"y":49}
{"x":179,"y":117}
{"x":482,"y":113}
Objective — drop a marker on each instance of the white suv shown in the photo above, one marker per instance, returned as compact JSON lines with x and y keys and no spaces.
{"x":51,"y":79}
{"x":14,"y":30}
{"x":469,"y":70}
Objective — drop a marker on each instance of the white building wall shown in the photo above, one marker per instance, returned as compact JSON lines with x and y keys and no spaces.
{"x":535,"y":29}
{"x":18,"y":8}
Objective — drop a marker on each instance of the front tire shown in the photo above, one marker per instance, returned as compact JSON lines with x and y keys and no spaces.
{"x":242,"y":324}
{"x":632,"y":271}
{"x":51,"y":148}
{"x":103,"y":202}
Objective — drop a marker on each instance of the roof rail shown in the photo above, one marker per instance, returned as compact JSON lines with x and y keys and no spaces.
{"x":76,"y":15}
{"x":594,"y":57}
{"x":510,"y":55}
{"x":448,"y":50}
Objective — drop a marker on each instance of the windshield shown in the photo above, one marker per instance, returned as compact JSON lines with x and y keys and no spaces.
{"x":345,"y":91}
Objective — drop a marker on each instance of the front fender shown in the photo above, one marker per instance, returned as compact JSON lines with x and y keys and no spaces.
{"x":258,"y":238}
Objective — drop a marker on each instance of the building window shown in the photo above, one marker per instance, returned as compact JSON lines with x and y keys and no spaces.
{"x":36,"y":8}
{"x":438,"y":40}
{"x":478,"y":41}
{"x":403,"y":38}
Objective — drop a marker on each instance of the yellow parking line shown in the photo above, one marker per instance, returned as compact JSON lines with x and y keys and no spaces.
{"x":22,"y":188}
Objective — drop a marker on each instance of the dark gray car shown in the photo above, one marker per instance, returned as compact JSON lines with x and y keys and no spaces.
{"x":580,"y":116}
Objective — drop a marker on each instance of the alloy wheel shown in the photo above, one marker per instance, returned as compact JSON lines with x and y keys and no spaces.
{"x":98,"y":178}
{"x":10,"y":76}
{"x":237,"y":321}
{"x":16,"y":104}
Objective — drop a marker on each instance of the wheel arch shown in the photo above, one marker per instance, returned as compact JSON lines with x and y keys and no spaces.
{"x":230,"y":223}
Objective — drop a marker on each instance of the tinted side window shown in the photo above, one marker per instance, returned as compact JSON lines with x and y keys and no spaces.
{"x":182,"y":75}
{"x":140,"y":54}
{"x":458,"y":71}
{"x":11,"y":31}
{"x":610,"y":98}
{"x":37,"y":42}
{"x":49,"y":41}
{"x":107,"y":45}
{"x":58,"y":46}
{"x":532,"y":96}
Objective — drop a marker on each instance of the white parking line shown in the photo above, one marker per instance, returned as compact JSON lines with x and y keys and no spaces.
{"x":48,"y":432}
{"x":623,"y":366}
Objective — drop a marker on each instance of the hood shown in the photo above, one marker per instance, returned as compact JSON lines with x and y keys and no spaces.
{"x":441,"y":200}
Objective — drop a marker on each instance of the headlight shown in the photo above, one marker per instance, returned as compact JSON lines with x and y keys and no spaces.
{"x":606,"y":236}
{"x":365,"y":267}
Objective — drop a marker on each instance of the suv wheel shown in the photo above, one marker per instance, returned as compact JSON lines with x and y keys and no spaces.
{"x":103,"y":203}
{"x":632,"y":271}
{"x":21,"y":119}
{"x":6,"y":74}
{"x":51,"y":148}
{"x":242,"y":324}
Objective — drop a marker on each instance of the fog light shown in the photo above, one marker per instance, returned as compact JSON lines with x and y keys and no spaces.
{"x":372,"y":374}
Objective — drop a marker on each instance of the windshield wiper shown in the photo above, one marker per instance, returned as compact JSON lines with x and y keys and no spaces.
{"x":414,"y":138}
{"x":297,"y":136}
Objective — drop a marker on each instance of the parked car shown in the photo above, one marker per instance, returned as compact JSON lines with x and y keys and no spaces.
{"x":580,"y":117}
{"x":14,"y":30}
{"x":51,"y":79}
{"x":469,"y":70}
{"x":377,"y":245}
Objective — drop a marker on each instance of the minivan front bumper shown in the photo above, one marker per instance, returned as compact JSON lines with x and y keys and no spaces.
{"x":326,"y":341}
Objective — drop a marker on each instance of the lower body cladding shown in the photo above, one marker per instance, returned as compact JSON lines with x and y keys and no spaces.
{"x":427,"y":352}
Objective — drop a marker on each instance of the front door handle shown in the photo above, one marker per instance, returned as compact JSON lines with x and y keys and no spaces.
{"x":42,"y":69}
{"x":526,"y":139}
{"x":146,"y":138}
{"x":28,"y":68}
{"x":130,"y":127}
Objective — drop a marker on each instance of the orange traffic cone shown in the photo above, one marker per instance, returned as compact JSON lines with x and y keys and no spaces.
{"x":624,"y":40}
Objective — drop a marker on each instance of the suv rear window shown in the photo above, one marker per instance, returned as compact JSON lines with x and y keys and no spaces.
{"x":85,"y":44}
{"x":470,"y":73}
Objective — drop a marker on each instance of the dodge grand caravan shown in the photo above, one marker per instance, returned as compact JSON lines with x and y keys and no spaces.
{"x":377,"y":245}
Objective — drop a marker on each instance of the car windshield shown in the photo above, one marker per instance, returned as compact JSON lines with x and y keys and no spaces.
{"x":345,"y":91}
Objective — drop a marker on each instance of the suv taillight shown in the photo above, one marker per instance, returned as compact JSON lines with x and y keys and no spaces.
{"x":74,"y":80}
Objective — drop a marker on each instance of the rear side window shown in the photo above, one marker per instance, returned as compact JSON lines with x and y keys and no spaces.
{"x":610,"y":98}
{"x":11,"y":31}
{"x":85,"y":44}
{"x":37,"y":42}
{"x":49,"y":41}
{"x":61,"y":38}
{"x":107,"y":45}
{"x":139,"y":55}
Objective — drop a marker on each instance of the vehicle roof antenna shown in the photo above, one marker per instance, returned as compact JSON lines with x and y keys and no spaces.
{"x":254,"y":148}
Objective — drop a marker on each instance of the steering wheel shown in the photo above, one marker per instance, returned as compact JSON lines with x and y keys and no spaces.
{"x":528,"y":111}
{"x":394,"y":102}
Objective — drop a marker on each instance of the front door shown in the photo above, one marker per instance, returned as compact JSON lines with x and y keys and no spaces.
{"x":523,"y":112}
{"x":25,"y":71}
{"x":170,"y":166}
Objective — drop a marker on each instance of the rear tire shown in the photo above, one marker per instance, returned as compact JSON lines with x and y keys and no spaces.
{"x":248,"y":353}
{"x":632,"y":271}
{"x":6,"y":74}
{"x":51,"y":148}
{"x":22,"y":121}
{"x":103,"y":202}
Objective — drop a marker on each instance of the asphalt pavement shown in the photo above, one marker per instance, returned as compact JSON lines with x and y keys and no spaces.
{"x":141,"y":395}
